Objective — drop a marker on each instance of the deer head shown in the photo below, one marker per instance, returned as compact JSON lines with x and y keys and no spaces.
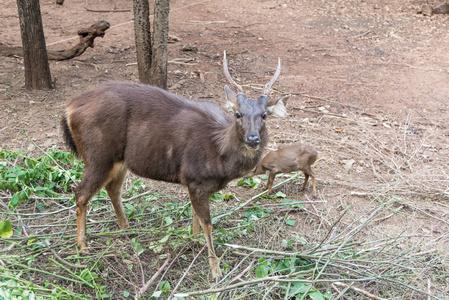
{"x":250,"y":114}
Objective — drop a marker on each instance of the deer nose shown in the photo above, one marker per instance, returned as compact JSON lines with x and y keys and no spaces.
{"x":252,"y":140}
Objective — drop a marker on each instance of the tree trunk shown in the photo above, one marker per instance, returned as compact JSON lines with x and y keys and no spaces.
{"x":37,"y":70}
{"x":158,"y":71}
{"x":143,"y":38}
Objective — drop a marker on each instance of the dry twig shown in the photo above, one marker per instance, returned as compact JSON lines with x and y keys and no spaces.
{"x":143,"y":289}
{"x":358,"y":290}
{"x":185,"y":273}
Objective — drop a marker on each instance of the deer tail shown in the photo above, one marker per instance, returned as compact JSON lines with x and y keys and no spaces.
{"x":68,"y":138}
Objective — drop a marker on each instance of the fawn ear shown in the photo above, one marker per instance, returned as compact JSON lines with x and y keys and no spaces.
{"x":277,"y":108}
{"x":231,"y":98}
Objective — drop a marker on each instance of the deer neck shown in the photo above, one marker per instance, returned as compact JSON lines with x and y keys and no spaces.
{"x":230,"y":143}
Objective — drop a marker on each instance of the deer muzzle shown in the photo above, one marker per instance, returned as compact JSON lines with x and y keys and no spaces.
{"x":252,"y":140}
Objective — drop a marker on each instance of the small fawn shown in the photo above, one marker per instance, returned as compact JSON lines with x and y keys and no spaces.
{"x":285,"y":160}
{"x":156,"y":134}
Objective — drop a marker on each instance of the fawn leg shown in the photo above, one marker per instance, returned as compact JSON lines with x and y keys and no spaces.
{"x":94,"y":178}
{"x":308,"y":172}
{"x":200,"y":203}
{"x":313,"y":184}
{"x":306,"y":179}
{"x":271,"y":177}
{"x":114,"y":189}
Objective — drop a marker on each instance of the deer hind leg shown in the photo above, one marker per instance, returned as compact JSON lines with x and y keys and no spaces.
{"x":94,"y":178}
{"x":196,"y":222}
{"x":271,"y":177}
{"x":200,"y":204}
{"x":114,"y":188}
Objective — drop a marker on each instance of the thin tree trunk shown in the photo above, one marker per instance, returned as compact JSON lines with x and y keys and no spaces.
{"x":37,"y":70}
{"x":143,"y":38}
{"x":158,"y":71}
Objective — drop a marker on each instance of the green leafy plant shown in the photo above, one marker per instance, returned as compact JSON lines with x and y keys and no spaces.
{"x":292,"y":289}
{"x":137,"y":246}
{"x":256,"y":212}
{"x":138,"y":186}
{"x":219,"y":196}
{"x":290,"y":222}
{"x":278,"y":195}
{"x":13,"y":287}
{"x":44,"y":176}
{"x":5,"y":229}
{"x":262,"y":269}
{"x":252,"y":182}
{"x":164,"y":289}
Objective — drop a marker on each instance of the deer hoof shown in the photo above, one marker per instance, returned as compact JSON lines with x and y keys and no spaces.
{"x":215,"y":268}
{"x":124,"y":224}
{"x":216,"y":273}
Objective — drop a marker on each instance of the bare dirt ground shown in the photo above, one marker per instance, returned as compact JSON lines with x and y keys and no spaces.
{"x":369,"y":85}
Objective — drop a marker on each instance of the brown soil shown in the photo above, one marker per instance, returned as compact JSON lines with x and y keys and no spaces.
{"x":368,"y":78}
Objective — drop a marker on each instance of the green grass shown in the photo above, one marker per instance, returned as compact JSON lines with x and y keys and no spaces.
{"x":262,"y":254}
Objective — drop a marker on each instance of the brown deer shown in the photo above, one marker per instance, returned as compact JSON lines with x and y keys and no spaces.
{"x":298,"y":157}
{"x":159,"y":135}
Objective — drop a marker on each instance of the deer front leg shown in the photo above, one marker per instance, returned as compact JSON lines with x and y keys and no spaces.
{"x":200,"y":207}
{"x":114,"y":188}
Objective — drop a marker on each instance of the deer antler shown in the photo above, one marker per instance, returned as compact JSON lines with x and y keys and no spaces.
{"x":228,"y":76}
{"x":267,"y":87}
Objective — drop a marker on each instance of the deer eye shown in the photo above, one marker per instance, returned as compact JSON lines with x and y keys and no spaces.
{"x":264,"y":115}
{"x":238,"y":115}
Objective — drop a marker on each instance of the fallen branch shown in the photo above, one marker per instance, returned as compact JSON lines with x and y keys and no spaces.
{"x":322,"y":112}
{"x":168,"y":268}
{"x":233,"y":286}
{"x":239,"y":276}
{"x":46,"y":243}
{"x":106,"y":10}
{"x":280,"y":278}
{"x":86,"y":35}
{"x":11,"y":51}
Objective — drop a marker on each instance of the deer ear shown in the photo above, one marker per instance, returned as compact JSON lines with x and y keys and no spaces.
{"x":231,"y":98}
{"x":277,"y":108}
{"x":230,"y":95}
